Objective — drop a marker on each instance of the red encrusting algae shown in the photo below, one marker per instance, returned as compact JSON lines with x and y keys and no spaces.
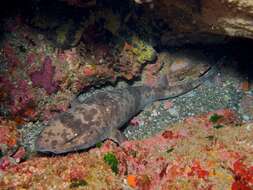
{"x":186,"y":156}
{"x":21,"y":97}
{"x":11,"y":152}
{"x":10,"y":55}
{"x":243,"y":176}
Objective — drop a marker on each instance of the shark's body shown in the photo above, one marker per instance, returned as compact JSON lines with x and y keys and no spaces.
{"x":101,"y":115}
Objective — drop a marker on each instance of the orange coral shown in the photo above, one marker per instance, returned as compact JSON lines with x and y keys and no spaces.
{"x":132,"y":181}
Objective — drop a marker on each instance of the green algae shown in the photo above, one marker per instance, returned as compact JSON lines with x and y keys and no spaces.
{"x":78,"y":183}
{"x":210,"y":137}
{"x":215,"y":117}
{"x":99,"y":144}
{"x":218,"y":126}
{"x":112,"y":161}
{"x":169,"y":150}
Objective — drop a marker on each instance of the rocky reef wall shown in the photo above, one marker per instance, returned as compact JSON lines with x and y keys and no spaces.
{"x":227,"y":17}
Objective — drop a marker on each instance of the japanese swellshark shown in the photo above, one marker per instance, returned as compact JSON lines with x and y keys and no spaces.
{"x":101,"y":115}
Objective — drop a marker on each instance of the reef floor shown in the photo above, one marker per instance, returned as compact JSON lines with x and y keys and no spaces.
{"x":200,"y":140}
{"x":211,"y":151}
{"x":229,"y":89}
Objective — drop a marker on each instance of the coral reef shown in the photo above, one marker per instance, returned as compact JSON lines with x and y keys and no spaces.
{"x":21,"y":97}
{"x":39,"y":79}
{"x":50,"y":55}
{"x":9,"y":136}
{"x":11,"y":151}
{"x":142,"y":50}
{"x":189,"y":155}
{"x":81,"y":170}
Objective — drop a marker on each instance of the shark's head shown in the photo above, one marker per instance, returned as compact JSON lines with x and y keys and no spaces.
{"x":66,"y":135}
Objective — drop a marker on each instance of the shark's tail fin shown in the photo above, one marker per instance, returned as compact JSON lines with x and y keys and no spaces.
{"x":164,"y":91}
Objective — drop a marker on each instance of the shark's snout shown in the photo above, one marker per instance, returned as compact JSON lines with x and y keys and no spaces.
{"x":70,"y":132}
{"x":55,"y":138}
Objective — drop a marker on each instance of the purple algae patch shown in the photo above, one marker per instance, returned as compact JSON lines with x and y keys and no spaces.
{"x":44,"y":77}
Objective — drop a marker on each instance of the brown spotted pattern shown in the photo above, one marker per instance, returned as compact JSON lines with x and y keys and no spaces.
{"x":99,"y":116}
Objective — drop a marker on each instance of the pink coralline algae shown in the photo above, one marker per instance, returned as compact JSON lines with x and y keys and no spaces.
{"x":31,"y":58}
{"x":8,"y":161}
{"x":136,"y":122}
{"x":44,"y":77}
{"x":5,"y":84}
{"x":185,"y":156}
{"x":10,"y":54}
{"x":9,"y":142}
{"x":21,"y":97}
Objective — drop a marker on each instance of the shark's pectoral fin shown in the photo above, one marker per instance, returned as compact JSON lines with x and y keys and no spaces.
{"x":118,"y":137}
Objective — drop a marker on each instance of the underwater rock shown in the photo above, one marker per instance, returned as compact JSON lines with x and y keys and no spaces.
{"x":196,"y":151}
{"x":144,"y":51}
{"x":37,"y":79}
{"x":9,"y":136}
{"x":134,"y":56}
{"x":201,"y":21}
{"x":246,"y":106}
{"x":81,"y":3}
{"x":10,"y":55}
{"x":55,"y":23}
{"x":11,"y":152}
{"x":87,"y":171}
{"x":21,"y":97}
{"x":64,"y":35}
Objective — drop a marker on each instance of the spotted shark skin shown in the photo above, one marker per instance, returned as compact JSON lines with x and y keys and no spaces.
{"x":101,"y":115}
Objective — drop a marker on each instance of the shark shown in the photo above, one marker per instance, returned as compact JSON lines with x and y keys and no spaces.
{"x":101,"y":115}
